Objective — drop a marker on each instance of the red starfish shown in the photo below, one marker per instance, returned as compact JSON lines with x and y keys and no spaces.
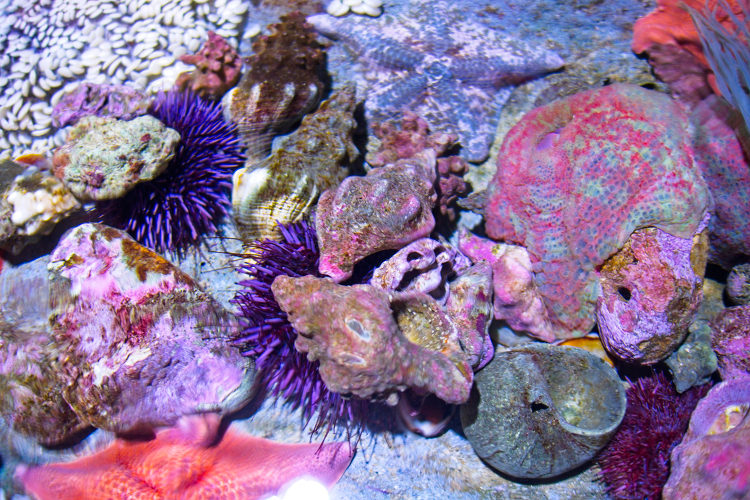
{"x":183,"y":463}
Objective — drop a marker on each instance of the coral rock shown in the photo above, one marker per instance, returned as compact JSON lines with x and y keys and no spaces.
{"x":650,"y":290}
{"x":695,"y":361}
{"x":470,"y":309}
{"x":32,"y":202}
{"x":730,"y":340}
{"x":451,"y":184}
{"x":738,"y":284}
{"x":541,"y":410}
{"x":724,"y":164}
{"x":352,"y":332}
{"x":424,"y":265}
{"x":114,"y":101}
{"x":140,"y":344}
{"x":685,"y":74}
{"x":105,"y":157}
{"x":516,"y":297}
{"x":431,"y":60}
{"x":282,"y":85}
{"x":186,"y":462}
{"x":670,"y":24}
{"x":284,"y":187}
{"x":713,"y":460}
{"x":218,"y":69}
{"x":576,"y":177}
{"x":388,"y":208}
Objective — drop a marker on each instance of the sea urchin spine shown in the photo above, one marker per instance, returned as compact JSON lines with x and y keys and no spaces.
{"x":269,"y":337}
{"x":187,"y":201}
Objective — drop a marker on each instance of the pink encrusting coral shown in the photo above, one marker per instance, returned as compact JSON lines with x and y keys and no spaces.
{"x":576,"y":177}
{"x":218,"y":69}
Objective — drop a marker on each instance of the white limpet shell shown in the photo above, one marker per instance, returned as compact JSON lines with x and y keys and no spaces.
{"x":367,"y":7}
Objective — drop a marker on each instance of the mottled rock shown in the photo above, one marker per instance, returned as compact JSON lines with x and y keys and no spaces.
{"x":32,"y":202}
{"x":424,"y":265}
{"x":218,"y":68}
{"x":540,"y":410}
{"x":114,"y":101}
{"x":136,"y":343}
{"x":576,"y":177}
{"x":695,"y":361}
{"x":516,"y":297}
{"x":284,"y":187}
{"x":362,"y":351}
{"x":730,"y":339}
{"x":105,"y":157}
{"x":649,"y":291}
{"x":713,"y":460}
{"x":388,"y":208}
{"x":738,"y":284}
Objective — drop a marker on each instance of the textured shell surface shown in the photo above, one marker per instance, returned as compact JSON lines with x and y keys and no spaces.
{"x":540,"y":410}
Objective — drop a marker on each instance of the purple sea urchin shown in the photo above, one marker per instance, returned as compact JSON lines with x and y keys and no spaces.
{"x":184,"y":203}
{"x":269,"y":336}
{"x":635,"y":464}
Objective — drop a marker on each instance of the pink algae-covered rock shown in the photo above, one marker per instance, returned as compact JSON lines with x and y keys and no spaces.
{"x":713,"y":460}
{"x":218,"y":69}
{"x":516,"y":297}
{"x":576,"y":177}
{"x":725,"y":167}
{"x":140,"y":345}
{"x":730,"y":339}
{"x":361,"y":347}
{"x":649,"y":292}
{"x":114,"y":101}
{"x":388,"y":208}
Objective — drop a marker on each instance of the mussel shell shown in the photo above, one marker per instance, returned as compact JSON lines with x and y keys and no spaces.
{"x":541,"y":410}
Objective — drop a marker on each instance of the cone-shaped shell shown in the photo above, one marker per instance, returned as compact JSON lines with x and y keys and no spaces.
{"x":541,"y":410}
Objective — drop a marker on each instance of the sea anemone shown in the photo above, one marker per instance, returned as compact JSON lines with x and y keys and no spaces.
{"x":187,"y":201}
{"x":269,"y":337}
{"x":635,"y":464}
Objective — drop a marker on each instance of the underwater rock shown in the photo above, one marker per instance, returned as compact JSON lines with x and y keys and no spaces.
{"x":451,"y":184}
{"x":685,"y":74}
{"x":431,"y":60}
{"x":352,"y":332}
{"x":387,"y":209}
{"x":32,"y":202}
{"x":695,"y":361}
{"x":516,"y":297}
{"x":578,"y":176}
{"x":186,"y":461}
{"x":730,"y":339}
{"x":114,"y":101}
{"x":738,"y":284}
{"x":218,"y":68}
{"x":424,"y":265}
{"x":650,"y":290}
{"x":139,"y":344}
{"x":713,"y":460}
{"x":105,"y":157}
{"x":469,"y":307}
{"x":282,"y":85}
{"x":719,"y":154}
{"x":393,"y":143}
{"x":671,"y":24}
{"x":540,"y":410}
{"x":32,"y":402}
{"x":284,"y":187}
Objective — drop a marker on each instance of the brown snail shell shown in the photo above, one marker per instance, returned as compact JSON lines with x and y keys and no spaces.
{"x":540,"y":410}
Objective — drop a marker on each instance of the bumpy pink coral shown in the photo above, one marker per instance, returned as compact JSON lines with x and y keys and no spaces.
{"x":576,"y":177}
{"x":516,"y":298}
{"x":713,"y":460}
{"x":218,"y":69}
{"x":386,"y":209}
{"x":650,"y":290}
{"x":730,"y":339}
{"x":360,"y":345}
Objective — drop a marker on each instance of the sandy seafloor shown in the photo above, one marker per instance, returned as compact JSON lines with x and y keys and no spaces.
{"x":593,"y":37}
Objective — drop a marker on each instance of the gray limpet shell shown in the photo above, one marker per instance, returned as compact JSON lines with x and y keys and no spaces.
{"x":540,"y":410}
